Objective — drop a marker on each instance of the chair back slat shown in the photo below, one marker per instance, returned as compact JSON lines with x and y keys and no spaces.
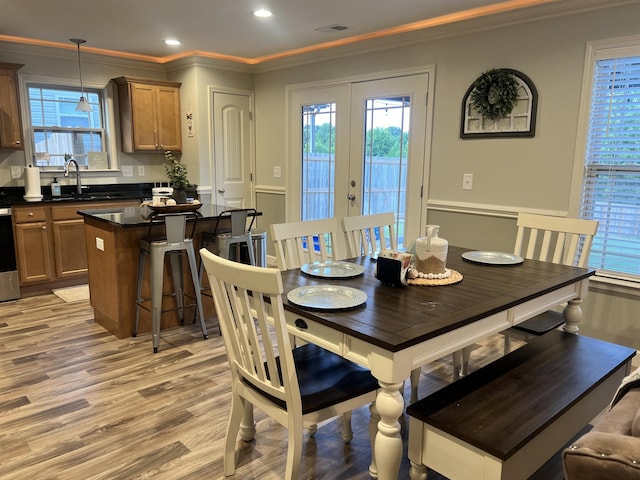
{"x":249,"y":307}
{"x":366,"y":234}
{"x":297,"y":243}
{"x":567,"y":235}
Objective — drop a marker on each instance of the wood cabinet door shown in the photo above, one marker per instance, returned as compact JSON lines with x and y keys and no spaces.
{"x":10,"y":125}
{"x":168,"y":118}
{"x":143,"y":111}
{"x":69,"y":248}
{"x":34,"y":258}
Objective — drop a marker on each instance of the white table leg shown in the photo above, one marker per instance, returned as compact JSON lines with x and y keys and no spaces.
{"x":572,"y":315}
{"x":388,"y":447}
{"x":374,"y":419}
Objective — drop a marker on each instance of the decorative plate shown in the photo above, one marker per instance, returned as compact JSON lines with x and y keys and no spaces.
{"x":331,"y":269}
{"x":492,"y":258}
{"x":327,"y":297}
{"x":180,"y":208}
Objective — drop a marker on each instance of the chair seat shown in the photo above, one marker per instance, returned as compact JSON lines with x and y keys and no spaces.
{"x":541,"y":324}
{"x":325,"y":378}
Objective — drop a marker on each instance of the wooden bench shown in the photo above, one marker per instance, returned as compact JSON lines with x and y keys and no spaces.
{"x":505,"y":420}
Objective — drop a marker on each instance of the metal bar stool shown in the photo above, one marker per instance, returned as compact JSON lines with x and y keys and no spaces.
{"x":228,"y":243}
{"x":175,"y":243}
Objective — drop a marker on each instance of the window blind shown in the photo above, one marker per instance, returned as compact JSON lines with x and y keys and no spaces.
{"x":611,"y":187}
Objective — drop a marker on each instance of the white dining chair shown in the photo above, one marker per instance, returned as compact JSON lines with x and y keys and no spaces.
{"x":298,"y":387}
{"x":368,"y":234}
{"x":560,"y":240}
{"x":547,"y":238}
{"x":308,"y":241}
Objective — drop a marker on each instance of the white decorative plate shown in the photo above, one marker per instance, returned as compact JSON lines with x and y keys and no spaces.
{"x":331,"y":269}
{"x":492,"y":258}
{"x":327,"y":297}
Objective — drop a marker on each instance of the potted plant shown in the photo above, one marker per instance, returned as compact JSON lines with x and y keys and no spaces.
{"x":177,"y":174}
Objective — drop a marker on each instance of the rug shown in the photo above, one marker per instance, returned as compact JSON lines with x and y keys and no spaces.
{"x":73,"y":294}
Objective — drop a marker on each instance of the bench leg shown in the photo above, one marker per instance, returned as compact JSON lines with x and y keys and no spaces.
{"x":417,"y":472}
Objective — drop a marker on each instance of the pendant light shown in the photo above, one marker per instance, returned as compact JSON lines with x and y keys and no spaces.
{"x":83,"y":105}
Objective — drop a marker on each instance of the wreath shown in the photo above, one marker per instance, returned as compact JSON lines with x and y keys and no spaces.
{"x":494,"y":93}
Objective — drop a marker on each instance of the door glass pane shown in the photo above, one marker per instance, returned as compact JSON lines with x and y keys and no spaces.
{"x":385,"y":158}
{"x":318,"y":160}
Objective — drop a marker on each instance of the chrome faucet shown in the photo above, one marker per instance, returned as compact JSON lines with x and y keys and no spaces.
{"x":66,"y":174}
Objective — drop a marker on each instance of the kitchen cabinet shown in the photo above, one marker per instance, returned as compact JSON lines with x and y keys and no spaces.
{"x":10,"y":122}
{"x":149,"y":115}
{"x":33,"y":244}
{"x":51,"y":245}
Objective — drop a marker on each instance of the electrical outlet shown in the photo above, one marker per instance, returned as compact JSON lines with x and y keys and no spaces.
{"x":16,"y":172}
{"x":467,"y":181}
{"x":277,"y":172}
{"x":127,"y":171}
{"x":141,"y":170}
{"x":100,"y":244}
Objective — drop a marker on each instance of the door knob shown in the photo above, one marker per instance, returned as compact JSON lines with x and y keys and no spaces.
{"x":221,"y":190}
{"x":351,"y":197}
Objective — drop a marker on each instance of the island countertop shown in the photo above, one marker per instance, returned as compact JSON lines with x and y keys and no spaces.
{"x":138,"y":216}
{"x":112,"y":238}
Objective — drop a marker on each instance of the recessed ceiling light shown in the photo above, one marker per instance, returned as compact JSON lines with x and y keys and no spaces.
{"x":262,"y":13}
{"x":171,"y":41}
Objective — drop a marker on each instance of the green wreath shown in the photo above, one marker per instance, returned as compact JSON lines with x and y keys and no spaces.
{"x":494,"y":93}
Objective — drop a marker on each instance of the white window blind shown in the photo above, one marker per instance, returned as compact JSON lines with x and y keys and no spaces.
{"x":611,"y":188}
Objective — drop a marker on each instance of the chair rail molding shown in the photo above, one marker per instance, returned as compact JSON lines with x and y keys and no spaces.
{"x":488,"y":210}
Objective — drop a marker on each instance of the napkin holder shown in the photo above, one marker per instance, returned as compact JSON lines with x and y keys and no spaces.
{"x":391,"y":267}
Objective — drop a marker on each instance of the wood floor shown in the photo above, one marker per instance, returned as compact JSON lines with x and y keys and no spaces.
{"x":76,"y":403}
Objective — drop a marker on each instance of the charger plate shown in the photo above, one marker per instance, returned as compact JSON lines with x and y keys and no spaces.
{"x":455,"y":277}
{"x":327,"y":297}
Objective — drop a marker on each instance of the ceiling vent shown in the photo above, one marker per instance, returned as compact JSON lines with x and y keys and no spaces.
{"x":332,"y":28}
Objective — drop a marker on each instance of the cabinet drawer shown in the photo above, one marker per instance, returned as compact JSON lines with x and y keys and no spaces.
{"x":29,"y":214}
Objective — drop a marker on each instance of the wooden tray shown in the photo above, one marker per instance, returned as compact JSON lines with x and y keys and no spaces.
{"x":180,"y":208}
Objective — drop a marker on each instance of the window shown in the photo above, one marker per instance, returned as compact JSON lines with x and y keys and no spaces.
{"x":611,"y":183}
{"x":57,"y":129}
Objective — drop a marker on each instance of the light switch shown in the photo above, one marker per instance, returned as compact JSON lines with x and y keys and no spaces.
{"x":127,"y":171}
{"x":467,"y":181}
{"x":277,"y":172}
{"x":16,"y":172}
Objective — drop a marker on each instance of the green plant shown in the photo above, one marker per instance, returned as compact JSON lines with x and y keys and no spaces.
{"x":176,"y":171}
{"x":494,"y":93}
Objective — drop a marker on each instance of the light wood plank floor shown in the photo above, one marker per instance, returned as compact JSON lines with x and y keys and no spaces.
{"x":78,"y":403}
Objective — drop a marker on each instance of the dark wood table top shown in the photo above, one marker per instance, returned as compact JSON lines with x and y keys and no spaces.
{"x":395,"y":318}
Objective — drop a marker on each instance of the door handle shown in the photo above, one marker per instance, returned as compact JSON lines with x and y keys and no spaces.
{"x":351,"y":197}
{"x":221,"y":190}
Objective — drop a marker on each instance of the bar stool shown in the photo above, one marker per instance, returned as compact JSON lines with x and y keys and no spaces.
{"x":175,"y":243}
{"x":228,"y":243}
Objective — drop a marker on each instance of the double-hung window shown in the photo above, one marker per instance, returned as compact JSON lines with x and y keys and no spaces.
{"x":58,"y":130}
{"x":611,"y":183}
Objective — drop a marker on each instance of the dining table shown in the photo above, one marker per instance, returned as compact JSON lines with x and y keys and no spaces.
{"x":393,"y":330}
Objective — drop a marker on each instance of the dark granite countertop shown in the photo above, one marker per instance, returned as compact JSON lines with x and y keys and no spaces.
{"x":139,"y":216}
{"x":90,"y":193}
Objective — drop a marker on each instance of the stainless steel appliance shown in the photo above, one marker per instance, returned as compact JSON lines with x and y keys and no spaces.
{"x":9,"y":282}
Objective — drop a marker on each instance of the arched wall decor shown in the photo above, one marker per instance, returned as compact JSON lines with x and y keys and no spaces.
{"x":520,"y":122}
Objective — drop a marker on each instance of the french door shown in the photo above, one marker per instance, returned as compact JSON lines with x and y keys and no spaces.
{"x":359,"y":148}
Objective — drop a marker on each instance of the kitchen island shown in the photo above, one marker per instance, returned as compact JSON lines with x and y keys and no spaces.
{"x":112,"y":252}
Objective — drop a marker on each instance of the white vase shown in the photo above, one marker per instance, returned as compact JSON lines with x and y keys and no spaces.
{"x":431,"y":252}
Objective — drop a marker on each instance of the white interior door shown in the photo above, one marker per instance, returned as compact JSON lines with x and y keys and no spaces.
{"x":359,"y":148}
{"x":232,"y":149}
